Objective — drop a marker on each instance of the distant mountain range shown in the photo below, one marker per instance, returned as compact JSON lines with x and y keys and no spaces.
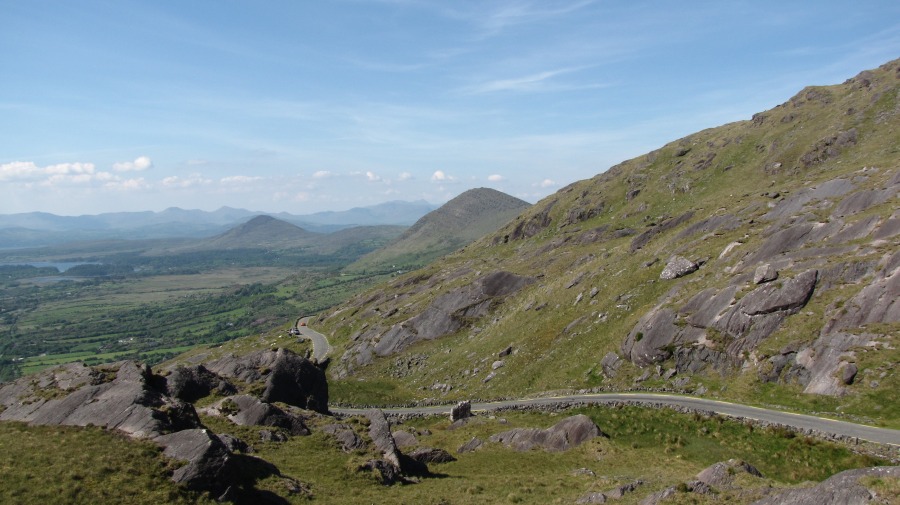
{"x":35,"y":229}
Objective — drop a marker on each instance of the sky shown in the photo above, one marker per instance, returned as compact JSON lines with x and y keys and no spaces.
{"x":306,"y":106}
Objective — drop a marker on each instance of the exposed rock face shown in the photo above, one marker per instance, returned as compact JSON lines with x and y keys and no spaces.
{"x":764,"y":273}
{"x":850,"y":487}
{"x":192,"y":383}
{"x":447,"y":314}
{"x":208,"y":465}
{"x":289,"y":378}
{"x":471,"y":445}
{"x":253,"y":412}
{"x":745,"y":323}
{"x":562,"y":436}
{"x":404,"y":439}
{"x":121,"y":396}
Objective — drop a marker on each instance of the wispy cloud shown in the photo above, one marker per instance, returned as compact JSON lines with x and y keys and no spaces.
{"x":538,"y":82}
{"x":492,"y":18}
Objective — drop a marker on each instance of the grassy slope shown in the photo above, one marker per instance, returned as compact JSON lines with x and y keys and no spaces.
{"x":49,"y":465}
{"x":751,"y":159}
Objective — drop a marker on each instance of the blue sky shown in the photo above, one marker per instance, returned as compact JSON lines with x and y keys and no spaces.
{"x":303,"y":106}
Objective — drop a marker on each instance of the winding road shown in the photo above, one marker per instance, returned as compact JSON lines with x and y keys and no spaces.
{"x":321,"y":349}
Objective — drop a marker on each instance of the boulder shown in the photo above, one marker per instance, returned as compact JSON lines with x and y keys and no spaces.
{"x":192,"y":383}
{"x":678,"y":266}
{"x":461,"y":410}
{"x":430,"y":455}
{"x":253,"y":412}
{"x":345,"y":435}
{"x":722,"y":474}
{"x":765,"y":273}
{"x":851,"y":487}
{"x":380,"y":432}
{"x":296,"y":381}
{"x":208,"y":465}
{"x":404,"y":439}
{"x":288,"y":377}
{"x":562,"y":436}
{"x":471,"y":445}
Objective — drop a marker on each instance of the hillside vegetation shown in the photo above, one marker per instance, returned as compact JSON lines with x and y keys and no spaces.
{"x":784,"y":292}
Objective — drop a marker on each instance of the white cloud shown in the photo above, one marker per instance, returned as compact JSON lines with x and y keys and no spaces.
{"x":405,"y":176}
{"x":371,"y":177}
{"x":139,"y":164}
{"x":185,"y":182}
{"x":440,"y":176}
{"x":322,"y":174}
{"x":546,"y":183}
{"x":495,"y":178}
{"x":19,"y":170}
{"x":239,"y":179}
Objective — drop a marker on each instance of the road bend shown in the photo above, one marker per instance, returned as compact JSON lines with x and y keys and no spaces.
{"x":887,"y":436}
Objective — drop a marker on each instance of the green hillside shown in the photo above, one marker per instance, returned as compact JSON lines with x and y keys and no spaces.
{"x":808,"y":188}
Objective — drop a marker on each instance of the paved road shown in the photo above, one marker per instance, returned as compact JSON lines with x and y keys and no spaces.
{"x":321,"y":348}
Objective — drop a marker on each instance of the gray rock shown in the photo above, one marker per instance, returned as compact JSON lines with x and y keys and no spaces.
{"x":288,"y":377}
{"x":497,"y":364}
{"x":562,"y":436}
{"x":208,"y":460}
{"x":122,"y":396}
{"x":592,"y":498}
{"x":851,"y":487}
{"x":461,"y":410}
{"x":471,"y":445}
{"x":792,"y":295}
{"x":430,"y":455}
{"x":505,"y":352}
{"x":192,"y":383}
{"x":345,"y":435}
{"x":272,"y":436}
{"x":296,"y":381}
{"x":404,"y":439}
{"x":678,"y":266}
{"x":765,"y":273}
{"x":721,"y":475}
{"x":610,"y":364}
{"x":659,"y":496}
{"x":253,"y":412}
{"x":380,"y":432}
{"x":387,"y":471}
{"x":849,"y":373}
{"x":650,"y":339}
{"x":234,"y":444}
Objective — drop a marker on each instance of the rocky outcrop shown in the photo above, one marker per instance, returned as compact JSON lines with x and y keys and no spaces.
{"x":562,"y":436}
{"x":288,"y":377}
{"x":851,"y":487}
{"x":461,"y":410}
{"x":122,"y":396}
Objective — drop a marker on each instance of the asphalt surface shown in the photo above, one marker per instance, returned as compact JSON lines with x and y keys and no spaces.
{"x":321,"y":349}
